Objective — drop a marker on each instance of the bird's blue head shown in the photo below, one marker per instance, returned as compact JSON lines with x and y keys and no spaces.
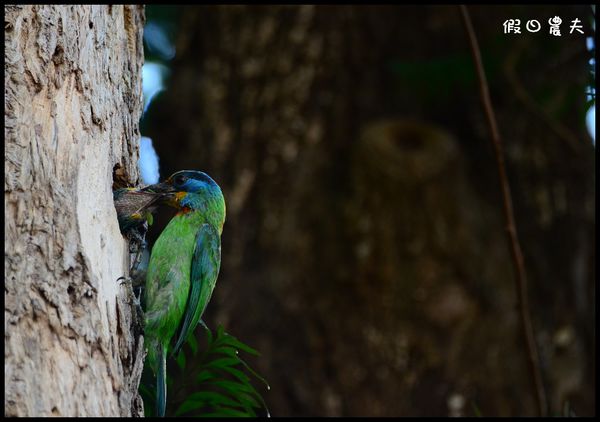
{"x":192,"y":190}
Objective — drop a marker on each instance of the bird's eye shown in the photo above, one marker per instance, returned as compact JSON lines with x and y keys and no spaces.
{"x":179,"y":179}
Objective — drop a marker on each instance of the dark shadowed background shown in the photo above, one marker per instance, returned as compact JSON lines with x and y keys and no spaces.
{"x":364,"y":252}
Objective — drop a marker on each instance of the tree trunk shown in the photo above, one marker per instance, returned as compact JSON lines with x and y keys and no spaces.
{"x":72,"y":106}
{"x":364,"y":253}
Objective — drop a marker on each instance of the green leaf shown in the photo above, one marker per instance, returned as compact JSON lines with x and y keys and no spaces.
{"x":237,"y":373}
{"x":189,"y":405}
{"x":181,"y":360}
{"x":235,"y":386}
{"x":247,"y":398}
{"x":209,"y":337}
{"x":224,"y":374}
{"x":205,"y":375}
{"x":204,"y":398}
{"x":223,"y":362}
{"x":224,"y":411}
{"x":255,"y":374}
{"x":476,"y":410}
{"x":241,"y":392}
{"x":148,"y":393}
{"x":193,"y":343}
{"x":232,"y":341}
{"x":226,"y":350}
{"x":145,"y":390}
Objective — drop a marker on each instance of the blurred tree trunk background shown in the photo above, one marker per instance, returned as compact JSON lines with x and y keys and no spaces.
{"x":364,"y":254}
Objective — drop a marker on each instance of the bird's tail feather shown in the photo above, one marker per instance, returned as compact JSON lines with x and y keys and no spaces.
{"x":161,"y":382}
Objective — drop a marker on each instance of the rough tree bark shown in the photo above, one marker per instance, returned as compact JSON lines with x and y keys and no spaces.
{"x":72,"y":106}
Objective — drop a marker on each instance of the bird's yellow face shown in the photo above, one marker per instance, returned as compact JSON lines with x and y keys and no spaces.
{"x":174,"y":200}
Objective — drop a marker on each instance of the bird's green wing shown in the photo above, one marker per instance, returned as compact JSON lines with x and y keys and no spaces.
{"x":205,"y":269}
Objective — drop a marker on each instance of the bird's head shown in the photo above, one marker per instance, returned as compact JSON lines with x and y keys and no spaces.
{"x":191,"y":190}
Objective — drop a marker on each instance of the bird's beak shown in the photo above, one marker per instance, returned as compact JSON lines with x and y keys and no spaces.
{"x":167,"y":192}
{"x":164,"y":187}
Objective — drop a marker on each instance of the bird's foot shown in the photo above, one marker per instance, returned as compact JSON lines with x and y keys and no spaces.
{"x":137,"y":238}
{"x":134,"y":299}
{"x":123,"y":280}
{"x":134,"y":285}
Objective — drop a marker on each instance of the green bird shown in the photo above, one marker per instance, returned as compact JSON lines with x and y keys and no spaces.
{"x":183,"y":268}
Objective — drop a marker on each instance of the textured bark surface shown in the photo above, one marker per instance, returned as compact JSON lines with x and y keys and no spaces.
{"x":72,"y":106}
{"x":363,"y":253}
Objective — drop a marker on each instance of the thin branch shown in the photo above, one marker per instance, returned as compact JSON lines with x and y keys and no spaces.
{"x":517,"y":255}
